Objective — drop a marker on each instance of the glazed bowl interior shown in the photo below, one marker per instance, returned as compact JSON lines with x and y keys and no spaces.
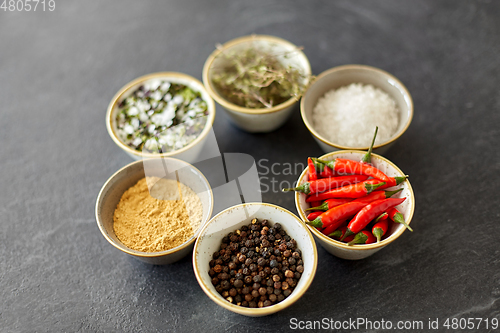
{"x":345,"y":75}
{"x":172,"y":77}
{"x":128,"y":176}
{"x":406,"y":208}
{"x":286,"y":52}
{"x":234,"y":218}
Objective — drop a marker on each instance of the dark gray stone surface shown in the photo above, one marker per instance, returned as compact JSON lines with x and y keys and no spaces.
{"x":59,"y":70}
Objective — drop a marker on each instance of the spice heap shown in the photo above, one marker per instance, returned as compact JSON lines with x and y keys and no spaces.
{"x":258,"y":265}
{"x":348,"y":199}
{"x":346,"y":116}
{"x":256,"y":78}
{"x":160,"y":116}
{"x":153,"y":224}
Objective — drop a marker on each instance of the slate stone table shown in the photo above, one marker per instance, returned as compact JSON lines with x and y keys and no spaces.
{"x":59,"y":69}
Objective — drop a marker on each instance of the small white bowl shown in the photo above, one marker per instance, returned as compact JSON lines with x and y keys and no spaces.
{"x":264,"y":119}
{"x":355,"y":252}
{"x":128,"y":176}
{"x":337,"y":77}
{"x":232,"y":219}
{"x":190,"y":152}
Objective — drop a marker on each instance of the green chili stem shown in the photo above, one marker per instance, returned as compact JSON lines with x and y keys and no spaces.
{"x":399,"y":218}
{"x":368,"y":156}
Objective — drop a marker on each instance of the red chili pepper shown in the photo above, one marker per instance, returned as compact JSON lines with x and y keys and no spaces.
{"x":336,"y":215}
{"x":363,"y":237}
{"x":369,"y":212}
{"x":322,"y":170}
{"x":312,"y":216}
{"x":382,"y":217}
{"x":377,"y":195}
{"x":326,"y":184}
{"x":368,"y":156}
{"x":312,"y":169}
{"x":397,"y":217}
{"x":357,"y":190}
{"x":393,"y":181}
{"x":345,"y":166}
{"x":328,"y":204}
{"x":380,"y":228}
{"x":315,"y":203}
{"x":333,"y":227}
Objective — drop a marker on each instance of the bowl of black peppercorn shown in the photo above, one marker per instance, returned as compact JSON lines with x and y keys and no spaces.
{"x":255,"y":259}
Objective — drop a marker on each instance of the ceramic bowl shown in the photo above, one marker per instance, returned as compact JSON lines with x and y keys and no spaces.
{"x":264,"y":119}
{"x":123,"y":179}
{"x":190,"y":152}
{"x":337,"y":77}
{"x":354,"y":252}
{"x":235,"y":217}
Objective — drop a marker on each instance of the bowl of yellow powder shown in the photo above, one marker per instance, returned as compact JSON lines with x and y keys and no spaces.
{"x":154,"y":209}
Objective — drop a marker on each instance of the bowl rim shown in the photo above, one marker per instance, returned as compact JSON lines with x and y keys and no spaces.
{"x":136,"y":253}
{"x":245,"y":39}
{"x":158,"y":75}
{"x":379,"y":71}
{"x":264,"y":310}
{"x":357,"y":247}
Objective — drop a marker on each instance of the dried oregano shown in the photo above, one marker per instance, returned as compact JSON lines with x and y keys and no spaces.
{"x":256,"y":78}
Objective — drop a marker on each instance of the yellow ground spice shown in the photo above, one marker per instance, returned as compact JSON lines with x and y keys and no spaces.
{"x":159,"y":217}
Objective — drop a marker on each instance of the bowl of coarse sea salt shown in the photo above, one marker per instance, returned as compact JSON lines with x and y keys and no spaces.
{"x":344,"y":104}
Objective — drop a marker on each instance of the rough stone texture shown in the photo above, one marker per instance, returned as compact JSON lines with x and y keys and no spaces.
{"x":59,"y":70}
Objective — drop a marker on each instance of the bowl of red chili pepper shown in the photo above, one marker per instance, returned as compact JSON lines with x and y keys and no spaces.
{"x":354,"y":203}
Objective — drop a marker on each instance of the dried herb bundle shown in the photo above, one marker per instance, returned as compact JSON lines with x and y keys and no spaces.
{"x":255,"y":79}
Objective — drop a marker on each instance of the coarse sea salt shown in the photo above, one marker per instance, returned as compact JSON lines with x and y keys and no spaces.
{"x":347,"y":116}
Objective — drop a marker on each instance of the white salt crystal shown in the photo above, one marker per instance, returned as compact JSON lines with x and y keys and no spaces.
{"x":348,"y":116}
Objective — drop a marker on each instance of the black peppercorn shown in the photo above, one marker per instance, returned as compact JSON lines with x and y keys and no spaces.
{"x":255,"y":266}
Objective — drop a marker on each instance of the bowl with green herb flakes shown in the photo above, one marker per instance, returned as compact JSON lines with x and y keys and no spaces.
{"x":165,"y":114}
{"x":258,"y":80}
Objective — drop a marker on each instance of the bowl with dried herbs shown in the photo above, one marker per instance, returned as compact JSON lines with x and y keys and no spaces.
{"x":165,"y":114}
{"x":258,"y":80}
